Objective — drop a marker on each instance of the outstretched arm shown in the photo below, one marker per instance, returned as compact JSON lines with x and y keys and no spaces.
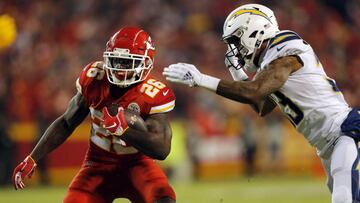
{"x":249,"y":92}
{"x":267,"y":82}
{"x":61,"y":128}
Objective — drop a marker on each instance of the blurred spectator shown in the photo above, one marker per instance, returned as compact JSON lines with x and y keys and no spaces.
{"x":250,"y":147}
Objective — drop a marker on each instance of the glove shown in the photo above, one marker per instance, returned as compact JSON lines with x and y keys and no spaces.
{"x":25,"y":168}
{"x":183,"y":73}
{"x":232,"y":62}
{"x":188,"y":74}
{"x":115,"y":125}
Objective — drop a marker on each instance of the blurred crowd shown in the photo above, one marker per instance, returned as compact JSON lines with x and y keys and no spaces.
{"x":56,"y":39}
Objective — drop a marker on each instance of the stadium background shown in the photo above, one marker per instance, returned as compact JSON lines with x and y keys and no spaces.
{"x":222,"y":152}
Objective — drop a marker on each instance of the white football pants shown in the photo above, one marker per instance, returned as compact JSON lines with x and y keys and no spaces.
{"x":342,"y":173}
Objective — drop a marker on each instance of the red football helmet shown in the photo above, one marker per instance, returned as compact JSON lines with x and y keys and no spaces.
{"x":129,"y":56}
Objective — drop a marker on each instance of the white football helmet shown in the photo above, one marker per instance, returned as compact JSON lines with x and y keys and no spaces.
{"x":245,"y":29}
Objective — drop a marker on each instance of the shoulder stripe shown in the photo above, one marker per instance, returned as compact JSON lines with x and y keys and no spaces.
{"x":163,"y":108}
{"x":283,"y":37}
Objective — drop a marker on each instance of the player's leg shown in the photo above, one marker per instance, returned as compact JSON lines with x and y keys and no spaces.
{"x":344,"y":171}
{"x":326,"y":165}
{"x":151,"y":183}
{"x":89,"y":185}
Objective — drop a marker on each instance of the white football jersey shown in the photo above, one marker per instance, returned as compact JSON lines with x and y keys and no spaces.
{"x":309,"y":99}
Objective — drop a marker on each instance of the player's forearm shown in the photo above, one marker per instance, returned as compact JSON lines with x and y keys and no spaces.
{"x":151,"y":144}
{"x":53,"y":137}
{"x":241,"y":91}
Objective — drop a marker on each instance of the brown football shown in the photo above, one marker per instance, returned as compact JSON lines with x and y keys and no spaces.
{"x":132,"y":118}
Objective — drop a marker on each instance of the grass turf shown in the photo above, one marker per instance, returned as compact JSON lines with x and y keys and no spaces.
{"x":254,"y":190}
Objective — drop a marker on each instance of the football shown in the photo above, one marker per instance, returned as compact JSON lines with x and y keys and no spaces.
{"x":133,"y":119}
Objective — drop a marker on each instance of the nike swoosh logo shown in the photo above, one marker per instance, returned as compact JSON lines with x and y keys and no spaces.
{"x":113,"y":125}
{"x":166,"y":92}
{"x":279,"y":48}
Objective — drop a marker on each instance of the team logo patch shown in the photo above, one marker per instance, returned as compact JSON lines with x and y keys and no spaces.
{"x":134,"y":107}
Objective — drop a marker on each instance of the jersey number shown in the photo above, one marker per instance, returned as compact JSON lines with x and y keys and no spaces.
{"x":292,"y":111}
{"x":152,"y":87}
{"x":95,"y":72}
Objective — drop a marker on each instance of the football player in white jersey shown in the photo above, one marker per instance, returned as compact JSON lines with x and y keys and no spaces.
{"x":289,"y":74}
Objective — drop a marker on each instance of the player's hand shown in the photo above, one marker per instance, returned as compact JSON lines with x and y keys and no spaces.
{"x":232,"y":63}
{"x":183,"y":73}
{"x":115,"y":125}
{"x":25,"y":169}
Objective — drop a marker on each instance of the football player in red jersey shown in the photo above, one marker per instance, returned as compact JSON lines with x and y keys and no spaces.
{"x":120,"y":160}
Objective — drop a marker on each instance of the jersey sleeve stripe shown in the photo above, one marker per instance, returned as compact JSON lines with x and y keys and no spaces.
{"x":163,"y":108}
{"x":283,"y":37}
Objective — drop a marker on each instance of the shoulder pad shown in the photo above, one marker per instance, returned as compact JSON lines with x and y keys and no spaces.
{"x":283,"y":36}
{"x":159,"y":96}
{"x":286,"y":43}
{"x":89,"y":75}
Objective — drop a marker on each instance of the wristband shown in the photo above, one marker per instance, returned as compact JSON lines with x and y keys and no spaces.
{"x":209,"y":82}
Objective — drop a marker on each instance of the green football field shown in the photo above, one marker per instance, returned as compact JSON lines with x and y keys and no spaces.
{"x":253,"y":190}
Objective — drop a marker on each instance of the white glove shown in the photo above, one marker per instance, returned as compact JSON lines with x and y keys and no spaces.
{"x":183,"y":73}
{"x":188,"y":74}
{"x":232,"y":62}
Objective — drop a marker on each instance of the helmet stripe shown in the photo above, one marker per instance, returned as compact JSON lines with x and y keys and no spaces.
{"x":251,"y":11}
{"x":136,"y":35}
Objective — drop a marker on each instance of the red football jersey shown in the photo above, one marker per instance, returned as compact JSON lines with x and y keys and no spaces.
{"x":147,"y":97}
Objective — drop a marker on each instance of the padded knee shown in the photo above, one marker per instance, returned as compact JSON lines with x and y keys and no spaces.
{"x":341,"y":195}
